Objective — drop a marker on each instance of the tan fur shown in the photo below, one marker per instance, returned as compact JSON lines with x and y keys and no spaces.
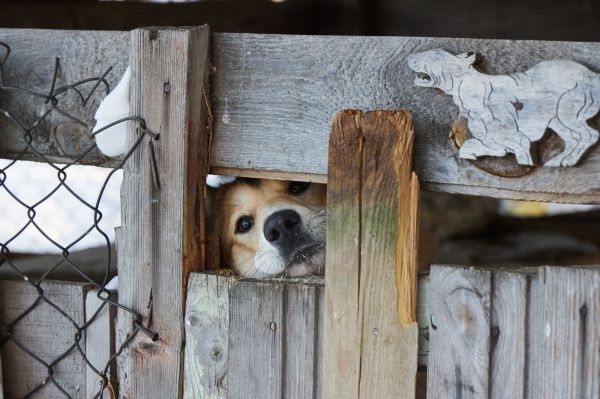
{"x":250,"y":254}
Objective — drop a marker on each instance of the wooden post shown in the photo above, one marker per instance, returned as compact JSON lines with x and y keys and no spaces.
{"x":162,"y":228}
{"x":371,"y":274}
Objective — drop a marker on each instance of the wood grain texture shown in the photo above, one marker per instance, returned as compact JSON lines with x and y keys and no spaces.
{"x":289,"y":87}
{"x":81,"y":55}
{"x":303,"y":361}
{"x":370,"y":322}
{"x":99,"y":343}
{"x":253,"y":338}
{"x":343,"y":318}
{"x":523,"y":333}
{"x":207,"y":336}
{"x":256,"y":363}
{"x":460,"y":333}
{"x":565,"y":330}
{"x":47,"y":334}
{"x":508,"y":336}
{"x":162,"y":229}
{"x":286,"y":89}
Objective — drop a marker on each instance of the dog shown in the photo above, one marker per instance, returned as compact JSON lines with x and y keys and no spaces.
{"x":270,"y":228}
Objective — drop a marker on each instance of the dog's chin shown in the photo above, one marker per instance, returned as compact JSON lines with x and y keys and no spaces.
{"x":308,"y":261}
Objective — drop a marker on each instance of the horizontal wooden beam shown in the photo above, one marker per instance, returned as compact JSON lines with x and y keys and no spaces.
{"x":31,"y":64}
{"x":274,"y":96}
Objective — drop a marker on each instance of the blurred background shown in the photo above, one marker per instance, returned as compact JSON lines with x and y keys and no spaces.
{"x":507,"y":19}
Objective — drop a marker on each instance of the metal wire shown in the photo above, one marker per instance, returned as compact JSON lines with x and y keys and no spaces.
{"x":84,"y":89}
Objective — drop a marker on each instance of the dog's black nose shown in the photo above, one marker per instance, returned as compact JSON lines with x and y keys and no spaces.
{"x":281,"y":228}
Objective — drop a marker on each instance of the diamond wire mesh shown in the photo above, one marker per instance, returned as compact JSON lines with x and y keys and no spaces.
{"x":84,"y":90}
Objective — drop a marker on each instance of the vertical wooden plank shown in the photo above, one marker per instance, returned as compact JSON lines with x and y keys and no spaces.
{"x":460,"y":327}
{"x":99,"y":343}
{"x":301,"y":327}
{"x":508,"y":336}
{"x":342,"y":319}
{"x":47,"y":334}
{"x":162,"y":228}
{"x":207,"y":336}
{"x":423,"y":320}
{"x":256,"y":329}
{"x":388,"y":259}
{"x":566,"y":334}
{"x":320,"y":338}
{"x":370,"y":322}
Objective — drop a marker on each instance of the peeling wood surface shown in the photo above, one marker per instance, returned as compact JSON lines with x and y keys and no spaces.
{"x":371,"y":274}
{"x":522,"y":333}
{"x":162,"y":229}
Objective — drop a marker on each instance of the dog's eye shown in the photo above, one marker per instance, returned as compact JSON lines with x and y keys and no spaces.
{"x":244,"y":224}
{"x":298,"y":187}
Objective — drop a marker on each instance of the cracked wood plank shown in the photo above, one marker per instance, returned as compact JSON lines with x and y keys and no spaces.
{"x":371,"y":279}
{"x":162,"y":232}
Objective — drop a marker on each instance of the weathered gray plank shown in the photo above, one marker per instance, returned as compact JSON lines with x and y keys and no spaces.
{"x":253,"y":338}
{"x":460,"y":333}
{"x":81,"y":55}
{"x":565,"y":330}
{"x":257,"y":327}
{"x":423,"y":319}
{"x":302,"y":320}
{"x":287,"y":88}
{"x":508,"y":336}
{"x":162,"y":227}
{"x":99,"y":344}
{"x":207,"y":336}
{"x":540,"y":331}
{"x":269,"y":90}
{"x":47,"y":334}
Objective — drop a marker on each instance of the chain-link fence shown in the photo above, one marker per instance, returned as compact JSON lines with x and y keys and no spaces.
{"x":28,"y":122}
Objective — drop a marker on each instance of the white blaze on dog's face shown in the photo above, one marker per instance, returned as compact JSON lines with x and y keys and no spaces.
{"x":272,"y":227}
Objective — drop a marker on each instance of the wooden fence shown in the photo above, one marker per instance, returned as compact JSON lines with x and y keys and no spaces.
{"x":47,"y":334}
{"x":530,"y":333}
{"x":220,"y":103}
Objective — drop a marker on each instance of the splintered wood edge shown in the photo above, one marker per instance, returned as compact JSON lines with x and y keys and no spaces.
{"x":406,"y":253}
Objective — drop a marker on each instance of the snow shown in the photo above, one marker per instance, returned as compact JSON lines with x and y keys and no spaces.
{"x":112,"y":142}
{"x":62,"y":216}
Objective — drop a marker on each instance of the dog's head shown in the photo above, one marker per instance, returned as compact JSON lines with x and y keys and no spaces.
{"x":270,"y":227}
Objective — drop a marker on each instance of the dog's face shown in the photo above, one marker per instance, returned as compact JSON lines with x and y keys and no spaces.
{"x":271,"y":227}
